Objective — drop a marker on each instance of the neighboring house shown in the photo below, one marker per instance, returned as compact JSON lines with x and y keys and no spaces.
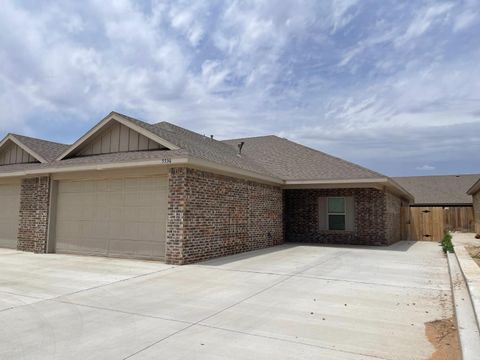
{"x":439,"y":190}
{"x":474,"y":191}
{"x":441,"y":203}
{"x":157,"y":191}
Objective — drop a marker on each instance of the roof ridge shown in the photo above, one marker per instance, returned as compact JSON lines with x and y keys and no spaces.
{"x":194,"y":133}
{"x":254,"y":137}
{"x":129,"y":118}
{"x":183,"y":129}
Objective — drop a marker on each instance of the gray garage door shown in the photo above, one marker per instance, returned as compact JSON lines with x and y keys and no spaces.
{"x":9,"y":215}
{"x":123,"y":217}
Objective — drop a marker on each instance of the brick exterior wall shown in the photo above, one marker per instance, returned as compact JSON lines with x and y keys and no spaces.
{"x":476,"y":211}
{"x":212,"y":215}
{"x":34,"y":208}
{"x":377,"y":219}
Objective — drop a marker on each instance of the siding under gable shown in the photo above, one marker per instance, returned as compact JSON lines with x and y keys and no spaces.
{"x":14,"y":154}
{"x":117,"y":138}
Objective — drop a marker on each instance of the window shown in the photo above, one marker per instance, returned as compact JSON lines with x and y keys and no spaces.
{"x":336,"y":218}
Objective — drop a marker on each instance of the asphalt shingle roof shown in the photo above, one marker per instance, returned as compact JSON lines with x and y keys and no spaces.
{"x":189,"y":144}
{"x":292,"y":161}
{"x":439,"y":190}
{"x":267,"y":155}
{"x":47,"y":149}
{"x":200,"y":146}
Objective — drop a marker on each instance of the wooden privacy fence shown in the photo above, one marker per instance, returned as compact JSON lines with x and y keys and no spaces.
{"x":430,"y":223}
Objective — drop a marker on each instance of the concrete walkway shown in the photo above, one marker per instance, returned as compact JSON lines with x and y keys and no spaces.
{"x":288,"y":302}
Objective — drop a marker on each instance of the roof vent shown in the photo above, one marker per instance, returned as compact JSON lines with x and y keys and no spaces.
{"x":211,"y":137}
{"x":240,"y":146}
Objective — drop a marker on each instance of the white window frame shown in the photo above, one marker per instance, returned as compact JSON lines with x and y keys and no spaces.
{"x":344,"y":213}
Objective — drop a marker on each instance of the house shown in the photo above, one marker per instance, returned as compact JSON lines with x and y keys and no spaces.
{"x":441,"y":203}
{"x":439,"y":190}
{"x":128,"y":188}
{"x":474,"y":191}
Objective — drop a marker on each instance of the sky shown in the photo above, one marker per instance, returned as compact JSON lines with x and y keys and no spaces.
{"x":391,"y":85}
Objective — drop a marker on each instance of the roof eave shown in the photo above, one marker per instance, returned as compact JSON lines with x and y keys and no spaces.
{"x":174,"y":161}
{"x":359,"y":183}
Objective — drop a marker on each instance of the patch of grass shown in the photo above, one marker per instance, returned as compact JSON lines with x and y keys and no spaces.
{"x":447,"y":245}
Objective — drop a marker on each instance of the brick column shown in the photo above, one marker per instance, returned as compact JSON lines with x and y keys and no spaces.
{"x":177,"y":200}
{"x":34,"y":209}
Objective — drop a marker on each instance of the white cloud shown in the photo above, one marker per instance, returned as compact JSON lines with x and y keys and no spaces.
{"x":424,"y":20}
{"x":425,"y":168}
{"x":189,"y":20}
{"x":341,"y":14}
{"x":465,"y":20}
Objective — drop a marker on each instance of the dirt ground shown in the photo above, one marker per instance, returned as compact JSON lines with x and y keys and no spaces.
{"x":443,"y":335}
{"x":474,"y":252}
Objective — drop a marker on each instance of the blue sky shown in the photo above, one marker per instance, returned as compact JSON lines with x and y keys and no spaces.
{"x":392,"y":85}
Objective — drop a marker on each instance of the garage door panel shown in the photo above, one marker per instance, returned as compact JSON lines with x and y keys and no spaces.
{"x":101,"y":198}
{"x":115,"y":199}
{"x":101,"y":213}
{"x":132,"y":184}
{"x":131,"y":231}
{"x":133,"y":214}
{"x":69,"y":187}
{"x":88,"y":247}
{"x":101,"y":229}
{"x":122,"y":246}
{"x":149,"y":231}
{"x":86,"y":213}
{"x":8,"y":243}
{"x":9,"y":214}
{"x":116,"y":214}
{"x":149,"y":184}
{"x":68,"y":228}
{"x":146,"y":214}
{"x":95,"y":244}
{"x":116,"y":230}
{"x":116,"y":185}
{"x":135,"y":248}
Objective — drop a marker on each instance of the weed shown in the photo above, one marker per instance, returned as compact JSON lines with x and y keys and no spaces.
{"x":447,"y":245}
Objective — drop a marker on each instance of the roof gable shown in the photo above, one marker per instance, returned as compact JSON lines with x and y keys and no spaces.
{"x":115,"y":134}
{"x":11,"y":153}
{"x":114,"y":138}
{"x":17,"y":149}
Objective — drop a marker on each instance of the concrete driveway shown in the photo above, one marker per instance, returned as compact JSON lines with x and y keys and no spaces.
{"x":288,"y":302}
